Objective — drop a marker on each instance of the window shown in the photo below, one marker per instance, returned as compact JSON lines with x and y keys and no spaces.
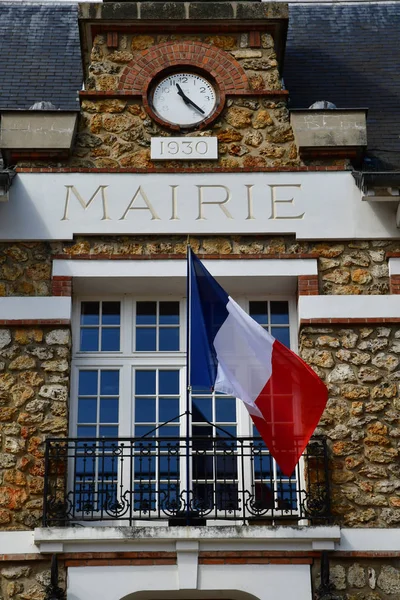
{"x":129,"y":382}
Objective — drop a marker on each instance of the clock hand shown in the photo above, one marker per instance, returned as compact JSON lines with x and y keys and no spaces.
{"x":187,"y":100}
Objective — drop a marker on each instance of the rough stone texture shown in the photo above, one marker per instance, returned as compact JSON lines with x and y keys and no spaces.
{"x":114,"y":132}
{"x":366,"y":579}
{"x":25,"y":270}
{"x":28,"y":580}
{"x":32,"y":407}
{"x":361,"y":422}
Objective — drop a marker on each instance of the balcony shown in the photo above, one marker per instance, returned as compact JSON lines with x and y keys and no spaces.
{"x":135,"y":480}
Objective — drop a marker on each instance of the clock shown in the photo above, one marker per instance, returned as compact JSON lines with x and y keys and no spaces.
{"x":183,"y":99}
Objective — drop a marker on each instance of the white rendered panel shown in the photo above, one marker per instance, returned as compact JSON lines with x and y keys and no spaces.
{"x":232,"y":582}
{"x":394,"y":266}
{"x":348,"y":307}
{"x":177,"y":268}
{"x":27,"y":308}
{"x":310,"y":205}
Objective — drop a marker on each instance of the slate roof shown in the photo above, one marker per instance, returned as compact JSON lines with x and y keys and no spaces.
{"x":39,"y":55}
{"x":349,"y":54}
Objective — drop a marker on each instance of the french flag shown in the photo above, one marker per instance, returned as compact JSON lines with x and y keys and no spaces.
{"x":231,"y":353}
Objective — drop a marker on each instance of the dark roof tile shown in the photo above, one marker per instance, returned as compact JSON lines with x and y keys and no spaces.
{"x":349,"y":54}
{"x":39,"y":46}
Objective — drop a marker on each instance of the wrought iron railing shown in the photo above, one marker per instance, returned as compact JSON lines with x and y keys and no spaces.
{"x":140,"y":479}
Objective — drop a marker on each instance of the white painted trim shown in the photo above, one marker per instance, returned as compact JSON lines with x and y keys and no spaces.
{"x":18,"y":542}
{"x":209,"y":538}
{"x":365,"y":540}
{"x":28,"y":308}
{"x":348,"y":307}
{"x":394,"y":266}
{"x":138,"y":538}
{"x":287,"y":267}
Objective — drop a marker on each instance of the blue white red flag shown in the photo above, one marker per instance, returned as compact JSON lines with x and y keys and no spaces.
{"x":231,"y":353}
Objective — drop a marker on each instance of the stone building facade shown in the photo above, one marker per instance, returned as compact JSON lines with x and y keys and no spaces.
{"x":95,"y":229}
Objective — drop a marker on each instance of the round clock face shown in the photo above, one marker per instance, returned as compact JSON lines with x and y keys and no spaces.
{"x":184,"y":99}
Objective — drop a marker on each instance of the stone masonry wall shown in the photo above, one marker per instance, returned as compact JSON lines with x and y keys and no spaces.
{"x":362,"y":579}
{"x":34,"y":386}
{"x":352,"y":268}
{"x":27,"y":580}
{"x":361,"y":367}
{"x":253,"y":131}
{"x":25,"y":269}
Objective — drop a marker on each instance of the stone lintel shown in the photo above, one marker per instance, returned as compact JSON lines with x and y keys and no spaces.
{"x":156,"y":10}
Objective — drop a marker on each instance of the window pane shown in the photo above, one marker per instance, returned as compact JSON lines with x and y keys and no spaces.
{"x":168,"y":466}
{"x":111,"y":313}
{"x":146,"y":339}
{"x":146,"y":313}
{"x":226,"y":467}
{"x":90,"y":313}
{"x":169,"y":382}
{"x":145,"y":383}
{"x":169,"y":313}
{"x":202,"y":409}
{"x":259,"y":312}
{"x":145,"y":410}
{"x":169,"y":431}
{"x":286,"y":496}
{"x":109,"y":383}
{"x":282,"y":334}
{"x":89,"y":340}
{"x":225,"y":410}
{"x":86,"y":431}
{"x":87,"y":410}
{"x":280,"y":313}
{"x":143,"y":430}
{"x":169,"y":339}
{"x":109,"y":431}
{"x":87,"y":383}
{"x":110,"y":339}
{"x":168,"y":409}
{"x":203,"y":466}
{"x":202,"y":431}
{"x":145,"y":466}
{"x":108,"y":410}
{"x":263,"y":466}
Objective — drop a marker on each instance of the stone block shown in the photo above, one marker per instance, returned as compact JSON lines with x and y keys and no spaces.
{"x":211,"y":10}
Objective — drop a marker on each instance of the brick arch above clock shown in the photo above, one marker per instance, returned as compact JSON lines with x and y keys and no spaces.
{"x":228,"y":73}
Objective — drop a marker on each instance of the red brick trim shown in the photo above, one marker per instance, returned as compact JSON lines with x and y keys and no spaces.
{"x":113,"y":562}
{"x":390,"y":254}
{"x":22,"y":557}
{"x":228,"y":73}
{"x":198,"y":169}
{"x":395,"y":284}
{"x":255,"y":39}
{"x":61,"y":286}
{"x":112,"y":39}
{"x":307,"y":285}
{"x":338,"y":321}
{"x":255,"y":561}
{"x":201,"y":255}
{"x":35,"y":322}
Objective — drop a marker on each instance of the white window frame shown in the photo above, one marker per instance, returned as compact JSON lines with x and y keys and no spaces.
{"x":126,"y":360}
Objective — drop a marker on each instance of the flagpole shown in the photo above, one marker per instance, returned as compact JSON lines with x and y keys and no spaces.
{"x":188,"y":382}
